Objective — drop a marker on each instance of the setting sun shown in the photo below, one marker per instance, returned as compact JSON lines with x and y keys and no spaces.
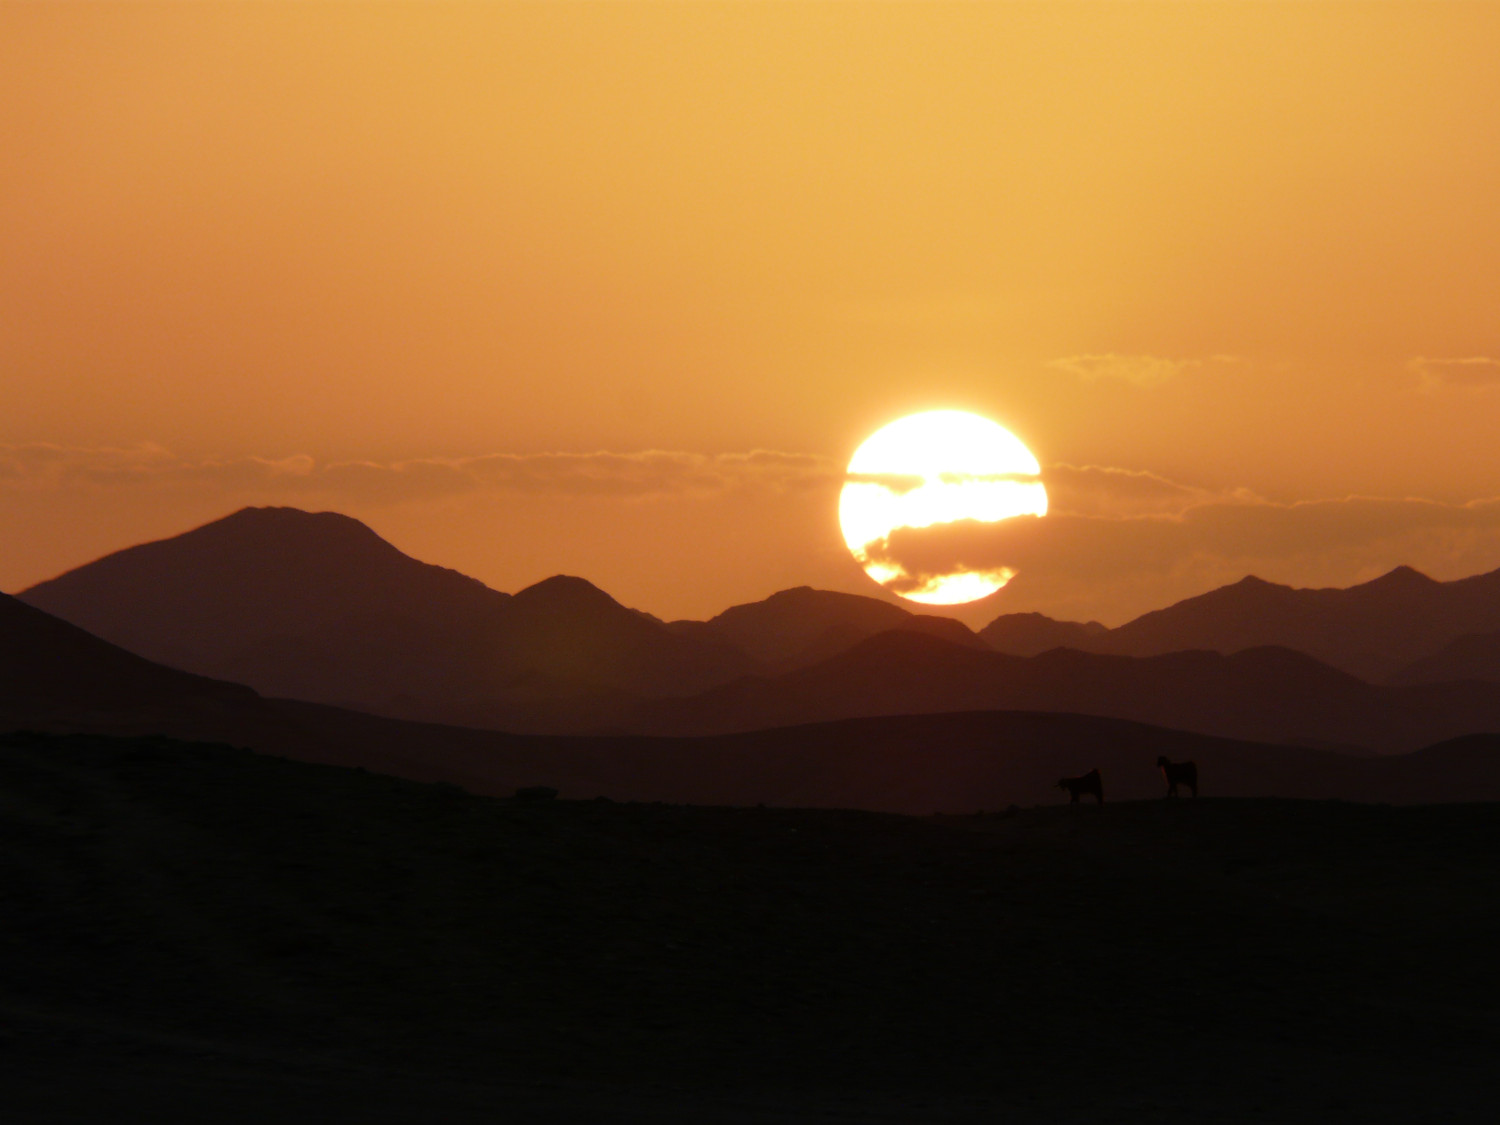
{"x":935,"y":468}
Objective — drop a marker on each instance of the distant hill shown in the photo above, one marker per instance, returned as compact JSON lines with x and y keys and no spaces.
{"x":319,"y":607}
{"x":52,"y":672}
{"x":1030,"y":634}
{"x":1264,"y":694}
{"x":802,"y":626}
{"x":1472,"y":657}
{"x":570,"y":632}
{"x":1372,"y":630}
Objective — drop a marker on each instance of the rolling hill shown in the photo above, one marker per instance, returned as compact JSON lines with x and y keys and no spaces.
{"x":1475,"y":656}
{"x":53,"y":674}
{"x":61,"y":679}
{"x":1266,"y":694}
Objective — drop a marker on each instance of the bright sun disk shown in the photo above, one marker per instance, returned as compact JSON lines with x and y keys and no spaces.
{"x":930,"y":469}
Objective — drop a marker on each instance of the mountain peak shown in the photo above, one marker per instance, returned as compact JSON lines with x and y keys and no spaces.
{"x":797,"y":594}
{"x":227,"y":592}
{"x":564,"y":590}
{"x":1402,"y":576}
{"x":283,"y":520}
{"x":282,"y":513}
{"x":812,"y":597}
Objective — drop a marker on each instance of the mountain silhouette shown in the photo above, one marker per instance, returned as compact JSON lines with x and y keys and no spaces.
{"x":53,"y":674}
{"x":1028,"y":634}
{"x":319,"y":607}
{"x":1372,"y":630}
{"x":571,"y":632}
{"x":266,"y":593}
{"x":802,"y":626}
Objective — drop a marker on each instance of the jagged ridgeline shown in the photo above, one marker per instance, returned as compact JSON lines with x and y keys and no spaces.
{"x":317,"y":607}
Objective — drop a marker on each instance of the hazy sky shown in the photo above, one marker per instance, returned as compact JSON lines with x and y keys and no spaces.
{"x":615,"y":290}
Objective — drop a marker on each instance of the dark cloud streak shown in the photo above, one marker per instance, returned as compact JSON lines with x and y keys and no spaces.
{"x":625,"y":475}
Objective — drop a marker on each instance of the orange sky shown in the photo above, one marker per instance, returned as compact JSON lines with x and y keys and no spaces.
{"x":616,"y":289}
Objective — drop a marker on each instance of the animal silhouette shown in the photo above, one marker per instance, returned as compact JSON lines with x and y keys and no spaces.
{"x":1178,"y":773}
{"x":1089,"y":783}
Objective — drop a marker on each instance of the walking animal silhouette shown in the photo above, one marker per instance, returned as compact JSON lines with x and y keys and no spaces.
{"x":1084,"y":784}
{"x":1178,"y":773}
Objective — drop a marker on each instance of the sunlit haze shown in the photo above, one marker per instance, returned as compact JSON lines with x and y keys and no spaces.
{"x":618,"y":290}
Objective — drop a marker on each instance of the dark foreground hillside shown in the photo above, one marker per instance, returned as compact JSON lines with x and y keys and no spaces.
{"x":203,"y":931}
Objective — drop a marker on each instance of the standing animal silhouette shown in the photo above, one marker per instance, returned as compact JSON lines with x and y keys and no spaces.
{"x":1089,"y":783}
{"x":1178,"y":773}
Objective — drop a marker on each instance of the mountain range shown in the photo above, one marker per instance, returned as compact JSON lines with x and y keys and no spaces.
{"x":317,"y":607}
{"x":1385,"y":629}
